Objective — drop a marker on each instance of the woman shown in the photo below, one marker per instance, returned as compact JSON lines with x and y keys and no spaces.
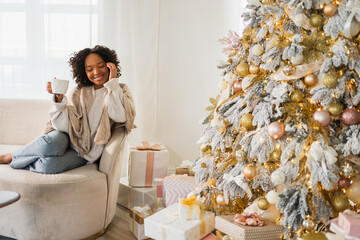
{"x":80,"y":125}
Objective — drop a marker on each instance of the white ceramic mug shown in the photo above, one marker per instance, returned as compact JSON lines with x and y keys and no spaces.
{"x":59,"y":86}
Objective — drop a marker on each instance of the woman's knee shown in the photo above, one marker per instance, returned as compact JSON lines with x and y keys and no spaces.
{"x":56,"y":142}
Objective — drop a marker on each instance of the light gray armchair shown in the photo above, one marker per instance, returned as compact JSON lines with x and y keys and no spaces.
{"x":73,"y":205}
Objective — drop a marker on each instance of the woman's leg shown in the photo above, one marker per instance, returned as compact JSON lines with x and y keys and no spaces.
{"x":58,"y":164}
{"x":52,"y":144}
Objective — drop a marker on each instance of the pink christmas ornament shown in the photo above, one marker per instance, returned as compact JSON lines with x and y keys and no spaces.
{"x":350,"y":117}
{"x":237,"y":86}
{"x":276,"y":130}
{"x":322,"y":117}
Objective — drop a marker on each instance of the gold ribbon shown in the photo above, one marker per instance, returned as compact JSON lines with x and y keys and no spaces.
{"x":191,"y":202}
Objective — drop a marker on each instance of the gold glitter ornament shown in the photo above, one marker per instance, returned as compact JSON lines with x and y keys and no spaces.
{"x":340,"y":203}
{"x":315,"y":45}
{"x":330,"y":9}
{"x":297,"y":96}
{"x":263,"y":203}
{"x":330,"y":80}
{"x":249,"y":171}
{"x":289,"y":70}
{"x":316,"y":20}
{"x":246,"y":121}
{"x":311,"y":79}
{"x":242,"y":69}
{"x":335,"y":109}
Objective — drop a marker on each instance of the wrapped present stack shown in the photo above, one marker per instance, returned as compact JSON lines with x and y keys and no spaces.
{"x":137,"y":215}
{"x":185,"y":220}
{"x":147,"y":161}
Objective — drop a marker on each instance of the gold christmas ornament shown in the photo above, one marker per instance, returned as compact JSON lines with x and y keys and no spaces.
{"x":311,"y":79}
{"x":289,"y":70}
{"x":220,"y":199}
{"x":316,"y":20}
{"x":254,"y":69}
{"x":242,"y":69}
{"x":330,"y":9}
{"x":297,"y":96}
{"x":330,"y":80}
{"x":263,"y":203}
{"x":246,"y":121}
{"x":353,"y":192}
{"x":275,"y":156}
{"x":340,"y":203}
{"x":308,"y":224}
{"x":335,"y":109}
{"x":203,"y":165}
{"x":249,"y":171}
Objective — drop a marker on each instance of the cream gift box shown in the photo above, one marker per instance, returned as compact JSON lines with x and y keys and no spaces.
{"x":129,"y":197}
{"x":166,"y":225}
{"x":147,"y":162}
{"x":226,"y":224}
{"x":137,"y":215}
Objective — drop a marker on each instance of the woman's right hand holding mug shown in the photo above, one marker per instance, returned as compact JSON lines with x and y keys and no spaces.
{"x":58,"y":97}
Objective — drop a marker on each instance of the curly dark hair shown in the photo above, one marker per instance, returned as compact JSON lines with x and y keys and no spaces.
{"x":77,"y":63}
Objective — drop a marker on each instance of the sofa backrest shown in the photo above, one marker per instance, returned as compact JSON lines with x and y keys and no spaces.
{"x":22,"y":120}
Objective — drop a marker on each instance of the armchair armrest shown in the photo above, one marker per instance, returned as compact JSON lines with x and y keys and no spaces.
{"x":110,"y":164}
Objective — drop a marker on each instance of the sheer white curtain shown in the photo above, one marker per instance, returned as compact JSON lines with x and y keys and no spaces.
{"x":36,"y":39}
{"x":169,"y":51}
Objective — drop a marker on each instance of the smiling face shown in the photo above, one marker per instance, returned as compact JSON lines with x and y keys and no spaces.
{"x":96,"y":70}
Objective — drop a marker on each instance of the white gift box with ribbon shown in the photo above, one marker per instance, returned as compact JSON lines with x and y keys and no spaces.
{"x":137,"y":215}
{"x":147,"y":162}
{"x":166,"y":225}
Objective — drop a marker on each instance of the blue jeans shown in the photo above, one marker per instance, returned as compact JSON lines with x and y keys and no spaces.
{"x":48,"y":154}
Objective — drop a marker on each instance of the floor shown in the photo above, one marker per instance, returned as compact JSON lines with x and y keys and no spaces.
{"x":117,"y":230}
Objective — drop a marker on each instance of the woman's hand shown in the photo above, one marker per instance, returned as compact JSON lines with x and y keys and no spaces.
{"x":113,"y":70}
{"x":58,"y":97}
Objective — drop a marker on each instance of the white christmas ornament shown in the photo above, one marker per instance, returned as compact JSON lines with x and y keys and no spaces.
{"x":257,"y":50}
{"x":301,"y":20}
{"x":272,"y":197}
{"x":222,"y":85}
{"x":277,"y":177}
{"x":297,"y":59}
{"x":352,"y":26}
{"x":215,"y":122}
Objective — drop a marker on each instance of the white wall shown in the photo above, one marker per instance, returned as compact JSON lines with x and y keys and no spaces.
{"x":169,"y":50}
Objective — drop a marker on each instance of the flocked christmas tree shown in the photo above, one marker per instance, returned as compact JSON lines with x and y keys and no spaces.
{"x":286,"y":123}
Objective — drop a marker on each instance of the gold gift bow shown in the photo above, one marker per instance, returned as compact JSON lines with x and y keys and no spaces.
{"x":190,"y":202}
{"x":149,"y":159}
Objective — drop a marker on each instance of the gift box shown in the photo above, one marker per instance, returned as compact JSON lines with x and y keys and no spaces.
{"x":166,"y":224}
{"x":147,"y":162}
{"x":177,"y":186}
{"x":210,"y":236}
{"x":137,"y":215}
{"x":222,"y":236}
{"x":349,"y":223}
{"x":190,"y":208}
{"x":226,"y":224}
{"x":340,"y":233}
{"x":129,"y":197}
{"x":185,"y":168}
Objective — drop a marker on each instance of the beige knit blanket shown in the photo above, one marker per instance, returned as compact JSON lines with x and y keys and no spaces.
{"x":80,"y":101}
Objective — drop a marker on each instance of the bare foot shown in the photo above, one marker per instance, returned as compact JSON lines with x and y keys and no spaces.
{"x":6,"y":159}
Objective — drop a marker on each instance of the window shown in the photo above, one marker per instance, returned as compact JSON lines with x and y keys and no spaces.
{"x":37,"y":38}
